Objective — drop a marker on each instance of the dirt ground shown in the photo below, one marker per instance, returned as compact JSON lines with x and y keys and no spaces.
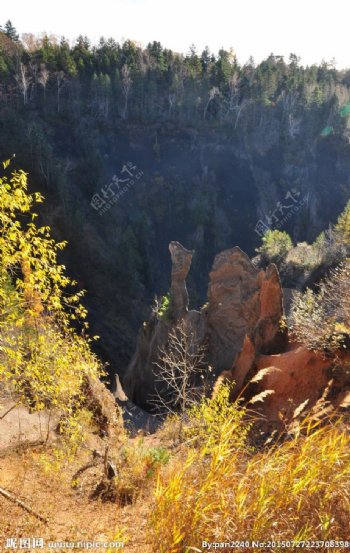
{"x":71,"y":514}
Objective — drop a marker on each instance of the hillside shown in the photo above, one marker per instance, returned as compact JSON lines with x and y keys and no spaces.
{"x":174,"y":299}
{"x":222,"y":152}
{"x":90,"y":467}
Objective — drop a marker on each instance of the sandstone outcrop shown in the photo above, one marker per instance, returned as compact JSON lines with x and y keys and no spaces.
{"x":243,"y":331}
{"x":299,"y":378}
{"x":100,"y":402}
{"x":181,"y":263}
{"x":301,"y":375}
{"x":232,"y":305}
{"x":242,"y":302}
{"x":139,"y":380}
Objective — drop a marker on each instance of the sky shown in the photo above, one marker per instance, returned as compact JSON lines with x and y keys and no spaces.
{"x":312,"y":29}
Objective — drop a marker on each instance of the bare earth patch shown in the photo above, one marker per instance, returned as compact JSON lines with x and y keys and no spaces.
{"x":71,"y":515}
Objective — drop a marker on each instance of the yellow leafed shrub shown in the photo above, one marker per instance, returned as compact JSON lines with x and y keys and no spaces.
{"x":42,"y":355}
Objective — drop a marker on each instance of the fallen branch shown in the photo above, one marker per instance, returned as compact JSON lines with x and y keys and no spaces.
{"x":8,"y":411}
{"x":20,"y":503}
{"x":20,"y":447}
{"x":98,"y":459}
{"x":80,"y":471}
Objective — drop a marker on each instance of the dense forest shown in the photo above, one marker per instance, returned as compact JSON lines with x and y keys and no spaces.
{"x":136,"y":146}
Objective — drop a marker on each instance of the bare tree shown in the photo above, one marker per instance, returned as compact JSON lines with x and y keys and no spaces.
{"x":43,"y":78}
{"x":23,"y":81}
{"x":240,"y":108}
{"x":101,"y":99}
{"x":179,"y":371}
{"x":126,"y":87}
{"x":30,"y":42}
{"x":34,"y":79}
{"x":233,"y":85}
{"x":60,"y":81}
{"x":171,"y":101}
{"x":213,"y":93}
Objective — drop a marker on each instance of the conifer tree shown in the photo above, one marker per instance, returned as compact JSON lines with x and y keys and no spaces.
{"x":10,"y":31}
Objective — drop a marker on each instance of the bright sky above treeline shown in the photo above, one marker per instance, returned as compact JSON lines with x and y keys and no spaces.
{"x":312,"y":29}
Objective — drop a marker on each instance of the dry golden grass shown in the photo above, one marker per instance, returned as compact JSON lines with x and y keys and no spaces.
{"x":215,"y":487}
{"x":296,"y":490}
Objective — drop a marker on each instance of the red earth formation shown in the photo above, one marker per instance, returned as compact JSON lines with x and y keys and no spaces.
{"x":244,"y":331}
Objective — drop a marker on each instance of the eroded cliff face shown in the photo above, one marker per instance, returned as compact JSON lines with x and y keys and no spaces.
{"x":140,"y":379}
{"x":242,"y":302}
{"x":181,"y":262}
{"x":206,"y":184}
{"x":206,"y":187}
{"x":244,"y":334}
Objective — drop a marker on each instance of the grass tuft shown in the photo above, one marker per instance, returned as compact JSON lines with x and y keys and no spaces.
{"x":217,"y":487}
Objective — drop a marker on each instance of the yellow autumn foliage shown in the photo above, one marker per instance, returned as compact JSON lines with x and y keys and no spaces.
{"x":42,"y":357}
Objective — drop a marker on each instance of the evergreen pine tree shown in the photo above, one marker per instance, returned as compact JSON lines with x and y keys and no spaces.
{"x":10,"y":31}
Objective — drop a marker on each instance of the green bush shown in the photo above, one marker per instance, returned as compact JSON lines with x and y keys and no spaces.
{"x":164,"y":308}
{"x":342,"y":227}
{"x":275,"y":244}
{"x":321,"y":319}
